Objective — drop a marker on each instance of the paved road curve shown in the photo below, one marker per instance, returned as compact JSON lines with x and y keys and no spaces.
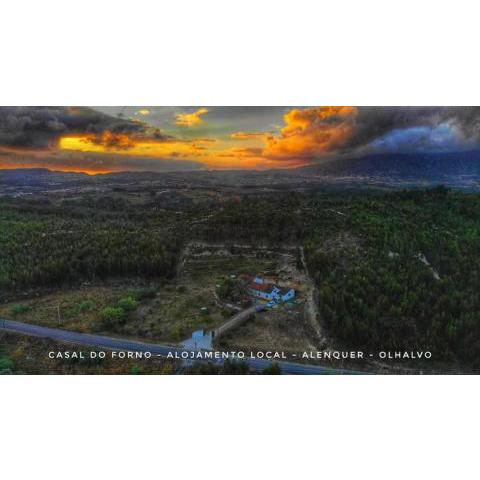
{"x":110,"y":343}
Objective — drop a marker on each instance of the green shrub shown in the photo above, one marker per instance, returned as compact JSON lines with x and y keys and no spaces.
{"x":85,"y":307}
{"x":112,"y":317}
{"x":6,"y":365}
{"x":18,"y":309}
{"x":128,"y":304}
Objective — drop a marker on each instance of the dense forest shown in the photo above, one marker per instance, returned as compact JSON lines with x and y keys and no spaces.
{"x":46,"y":245}
{"x":269,"y":219}
{"x":402,"y":272}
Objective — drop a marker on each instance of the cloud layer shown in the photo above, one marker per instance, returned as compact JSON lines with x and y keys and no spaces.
{"x":312,"y":131}
{"x":220,"y":137}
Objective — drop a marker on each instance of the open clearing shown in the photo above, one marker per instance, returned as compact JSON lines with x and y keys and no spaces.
{"x":184,"y":305}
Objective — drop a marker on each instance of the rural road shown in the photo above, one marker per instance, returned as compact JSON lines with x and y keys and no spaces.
{"x":102,"y":342}
{"x":238,"y":319}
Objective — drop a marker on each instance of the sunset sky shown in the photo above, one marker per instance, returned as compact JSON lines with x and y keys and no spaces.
{"x":105,"y":139}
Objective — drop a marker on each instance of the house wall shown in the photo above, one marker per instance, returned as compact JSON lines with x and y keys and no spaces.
{"x":259,"y":294}
{"x":289,"y":295}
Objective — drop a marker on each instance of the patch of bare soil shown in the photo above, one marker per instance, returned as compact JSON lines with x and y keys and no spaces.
{"x":281,"y":329}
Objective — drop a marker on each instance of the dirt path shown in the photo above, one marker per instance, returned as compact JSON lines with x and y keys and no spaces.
{"x":311,"y":308}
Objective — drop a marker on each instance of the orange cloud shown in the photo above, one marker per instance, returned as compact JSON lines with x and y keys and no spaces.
{"x":248,"y":135}
{"x":190,"y":119}
{"x":112,"y":141}
{"x":311,"y":132}
{"x":135,"y":145}
{"x":241,"y":158}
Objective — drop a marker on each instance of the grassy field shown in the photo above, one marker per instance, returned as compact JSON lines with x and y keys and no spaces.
{"x":72,"y":309}
{"x":170,"y":313}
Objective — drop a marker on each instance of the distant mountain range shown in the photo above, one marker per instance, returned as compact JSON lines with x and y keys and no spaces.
{"x":454,"y":169}
{"x":38,"y":177}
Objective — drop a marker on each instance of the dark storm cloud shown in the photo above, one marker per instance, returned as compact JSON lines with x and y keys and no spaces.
{"x":41,"y":127}
{"x":468,"y":119}
{"x":375,"y":122}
